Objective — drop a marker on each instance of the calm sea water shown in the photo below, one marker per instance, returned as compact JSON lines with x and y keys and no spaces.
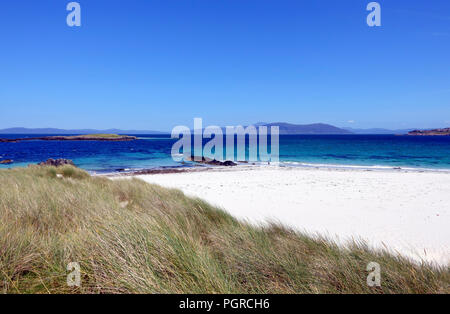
{"x":153,"y":151}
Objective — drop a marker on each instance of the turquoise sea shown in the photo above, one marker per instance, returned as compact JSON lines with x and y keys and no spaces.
{"x":153,"y":151}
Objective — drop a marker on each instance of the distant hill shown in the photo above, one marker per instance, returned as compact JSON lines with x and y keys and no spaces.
{"x":316,"y":128}
{"x":378,"y":131}
{"x":75,"y":132}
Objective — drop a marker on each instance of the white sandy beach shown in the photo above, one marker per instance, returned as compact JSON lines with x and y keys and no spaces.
{"x":407,"y":211}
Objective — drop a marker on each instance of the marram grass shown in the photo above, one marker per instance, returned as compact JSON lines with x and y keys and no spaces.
{"x":132,"y":237}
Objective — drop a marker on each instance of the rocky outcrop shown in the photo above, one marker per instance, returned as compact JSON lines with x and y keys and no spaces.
{"x":6,"y":162}
{"x":228,"y":163}
{"x":90,"y":138}
{"x":445,"y":131}
{"x":56,"y":162}
{"x":213,"y":162}
{"x":8,"y":140}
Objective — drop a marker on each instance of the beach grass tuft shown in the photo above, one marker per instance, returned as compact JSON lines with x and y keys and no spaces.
{"x":132,"y":237}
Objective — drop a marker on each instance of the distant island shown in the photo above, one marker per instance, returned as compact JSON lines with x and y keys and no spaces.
{"x":434,"y":132}
{"x":87,"y":137}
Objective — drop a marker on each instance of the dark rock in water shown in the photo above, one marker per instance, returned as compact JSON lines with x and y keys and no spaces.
{"x":122,"y":169}
{"x":56,"y":162}
{"x":228,"y":163}
{"x":213,"y":162}
{"x":6,"y":162}
{"x":7,"y":140}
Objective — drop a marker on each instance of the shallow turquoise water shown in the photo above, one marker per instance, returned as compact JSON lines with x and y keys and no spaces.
{"x":153,"y":151}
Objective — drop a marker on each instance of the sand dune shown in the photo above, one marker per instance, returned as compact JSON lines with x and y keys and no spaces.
{"x":408,"y":212}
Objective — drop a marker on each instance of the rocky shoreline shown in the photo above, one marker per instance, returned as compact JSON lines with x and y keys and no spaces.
{"x":56,"y":162}
{"x":434,"y":132}
{"x":200,"y":160}
{"x":212,"y":162}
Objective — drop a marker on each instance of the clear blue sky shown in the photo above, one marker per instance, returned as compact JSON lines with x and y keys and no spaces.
{"x":146,"y":64}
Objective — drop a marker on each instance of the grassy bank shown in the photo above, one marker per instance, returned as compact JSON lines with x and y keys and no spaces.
{"x":132,"y":237}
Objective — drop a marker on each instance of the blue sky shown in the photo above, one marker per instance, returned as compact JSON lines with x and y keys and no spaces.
{"x":146,"y":64}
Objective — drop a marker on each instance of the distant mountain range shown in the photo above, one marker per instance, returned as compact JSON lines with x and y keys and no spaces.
{"x":296,"y":129}
{"x":316,"y":128}
{"x":322,"y":128}
{"x":285,"y":128}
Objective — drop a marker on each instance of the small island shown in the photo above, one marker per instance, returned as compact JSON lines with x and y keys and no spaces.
{"x":87,"y":137}
{"x":434,"y":132}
